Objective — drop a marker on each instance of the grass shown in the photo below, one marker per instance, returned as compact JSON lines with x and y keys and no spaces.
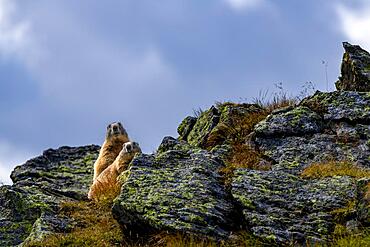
{"x":343,"y":238}
{"x":239,"y":239}
{"x":334,"y":168}
{"x":278,"y":99}
{"x":95,"y":227}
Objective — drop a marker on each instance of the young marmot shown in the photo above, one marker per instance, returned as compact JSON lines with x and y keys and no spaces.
{"x":107,"y":182}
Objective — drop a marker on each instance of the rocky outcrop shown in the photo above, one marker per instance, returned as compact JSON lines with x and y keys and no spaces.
{"x":355,"y":69}
{"x":200,"y":131}
{"x":180,"y":187}
{"x":28,"y":208}
{"x":324,"y":126}
{"x":280,"y":206}
{"x":177,"y":189}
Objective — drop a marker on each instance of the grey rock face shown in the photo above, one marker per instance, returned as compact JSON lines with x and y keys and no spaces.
{"x":177,"y":189}
{"x":281,"y":207}
{"x":355,"y":69}
{"x":297,"y":121}
{"x":28,"y":208}
{"x":325,"y":126}
{"x":341,"y":106}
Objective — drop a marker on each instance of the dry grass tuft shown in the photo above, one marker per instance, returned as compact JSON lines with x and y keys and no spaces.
{"x":243,"y":156}
{"x":276,"y":100}
{"x":334,"y":168}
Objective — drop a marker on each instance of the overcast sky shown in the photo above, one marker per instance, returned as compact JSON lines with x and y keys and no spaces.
{"x":68,"y":68}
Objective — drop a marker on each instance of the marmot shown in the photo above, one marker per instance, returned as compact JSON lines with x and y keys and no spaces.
{"x":115,"y":137}
{"x":107,"y":180}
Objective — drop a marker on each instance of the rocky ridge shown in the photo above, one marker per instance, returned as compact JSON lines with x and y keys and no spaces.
{"x":180,"y":189}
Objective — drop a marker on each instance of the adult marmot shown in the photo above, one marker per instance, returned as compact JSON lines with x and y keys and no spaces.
{"x":107,"y":182}
{"x":115,"y":137}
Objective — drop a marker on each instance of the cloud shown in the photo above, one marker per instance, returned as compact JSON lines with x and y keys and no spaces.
{"x":245,"y":4}
{"x":355,"y":23}
{"x":10,"y":156}
{"x":13,"y":34}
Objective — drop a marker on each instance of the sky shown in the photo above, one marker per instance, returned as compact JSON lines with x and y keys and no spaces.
{"x":68,"y":68}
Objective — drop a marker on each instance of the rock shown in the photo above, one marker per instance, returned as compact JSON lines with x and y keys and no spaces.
{"x":185,"y":127}
{"x":177,"y":189}
{"x":341,"y":106}
{"x":284,"y":208}
{"x":28,"y":208}
{"x":205,"y":123}
{"x":323,"y":127}
{"x":297,"y":121}
{"x":355,"y":69}
{"x":206,"y":131}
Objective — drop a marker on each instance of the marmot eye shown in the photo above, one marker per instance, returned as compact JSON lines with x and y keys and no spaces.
{"x":108,"y":127}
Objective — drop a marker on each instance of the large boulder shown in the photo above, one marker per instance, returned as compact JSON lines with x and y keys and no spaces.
{"x":28,"y":208}
{"x":355,"y":69}
{"x":178,"y":189}
{"x":284,"y":208}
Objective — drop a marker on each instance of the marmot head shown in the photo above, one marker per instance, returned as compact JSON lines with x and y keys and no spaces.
{"x":131,"y":148}
{"x":116,"y":130}
{"x":126,"y":155}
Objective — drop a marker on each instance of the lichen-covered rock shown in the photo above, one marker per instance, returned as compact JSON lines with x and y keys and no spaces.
{"x":355,"y":69}
{"x":30,"y":205}
{"x":297,"y":121}
{"x":332,"y":126}
{"x":341,"y":106}
{"x":185,"y":127}
{"x":205,"y":123}
{"x":196,"y":131}
{"x":283,"y":208}
{"x":178,"y":189}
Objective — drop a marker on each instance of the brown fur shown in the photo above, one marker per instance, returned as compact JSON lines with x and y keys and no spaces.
{"x":107,"y":180}
{"x":116,"y":136}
